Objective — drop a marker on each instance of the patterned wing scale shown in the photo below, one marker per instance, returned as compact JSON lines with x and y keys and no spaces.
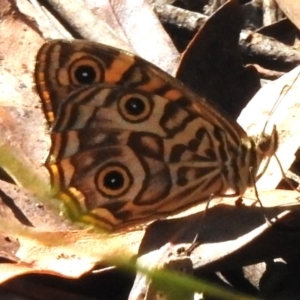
{"x":130,"y":143}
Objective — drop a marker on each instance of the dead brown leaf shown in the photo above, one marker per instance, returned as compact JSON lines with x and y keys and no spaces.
{"x":285,"y":116}
{"x":212,"y":64}
{"x":291,"y":9}
{"x":121,"y":24}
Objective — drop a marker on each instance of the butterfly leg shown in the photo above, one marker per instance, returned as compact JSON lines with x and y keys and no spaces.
{"x":207,"y":206}
{"x":267,"y":219}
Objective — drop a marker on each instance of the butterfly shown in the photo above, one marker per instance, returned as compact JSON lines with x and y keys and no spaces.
{"x":130,"y":143}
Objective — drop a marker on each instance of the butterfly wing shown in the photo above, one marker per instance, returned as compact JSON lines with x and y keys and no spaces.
{"x":62,"y":67}
{"x":129,"y":142}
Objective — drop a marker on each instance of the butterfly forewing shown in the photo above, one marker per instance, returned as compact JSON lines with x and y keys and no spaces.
{"x":130,"y":143}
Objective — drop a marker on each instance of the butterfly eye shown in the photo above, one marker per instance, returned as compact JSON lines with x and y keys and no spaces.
{"x":135,"y":108}
{"x":113,"y":180}
{"x":86,"y":71}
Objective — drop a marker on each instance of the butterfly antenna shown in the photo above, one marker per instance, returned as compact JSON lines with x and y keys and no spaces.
{"x":286,"y":88}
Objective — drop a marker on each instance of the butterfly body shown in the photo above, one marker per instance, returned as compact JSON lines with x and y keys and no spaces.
{"x":130,"y":143}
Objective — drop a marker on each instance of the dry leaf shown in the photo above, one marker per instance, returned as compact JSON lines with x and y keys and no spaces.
{"x":121,"y":24}
{"x":67,"y":253}
{"x":142,"y":30}
{"x":291,"y":9}
{"x":212,"y":63}
{"x":285,"y":116}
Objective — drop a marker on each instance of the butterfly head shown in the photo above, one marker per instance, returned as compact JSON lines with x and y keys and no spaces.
{"x":267,"y":144}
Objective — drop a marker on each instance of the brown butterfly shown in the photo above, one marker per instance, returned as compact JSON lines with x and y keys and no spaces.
{"x":132,"y":144}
